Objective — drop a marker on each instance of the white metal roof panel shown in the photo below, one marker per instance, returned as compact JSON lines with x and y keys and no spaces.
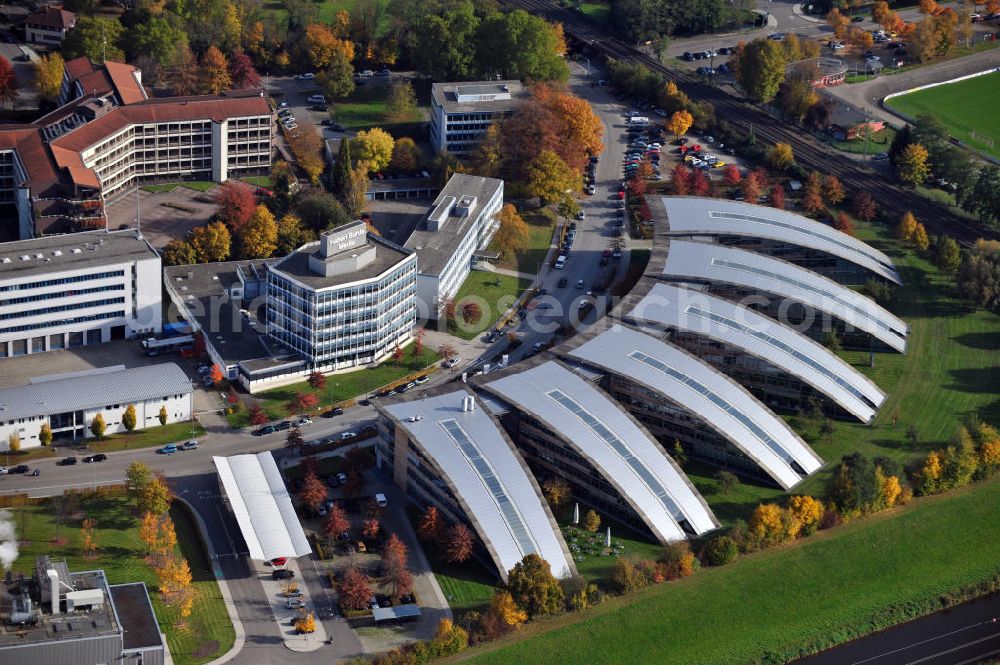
{"x":488,"y":475}
{"x":694,"y":215}
{"x":709,"y":262}
{"x":593,"y":423}
{"x":262,"y":506}
{"x":720,"y":402}
{"x":706,"y":314}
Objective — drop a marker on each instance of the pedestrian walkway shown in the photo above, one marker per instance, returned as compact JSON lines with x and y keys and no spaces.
{"x":284,"y":615}
{"x":797,"y":10}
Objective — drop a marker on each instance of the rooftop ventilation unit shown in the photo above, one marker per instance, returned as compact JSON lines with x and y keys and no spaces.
{"x":6,"y":259}
{"x":57,"y":252}
{"x":25,"y":257}
{"x":76,"y":250}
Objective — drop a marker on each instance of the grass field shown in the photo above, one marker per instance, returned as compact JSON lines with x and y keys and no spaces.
{"x":366,"y":107}
{"x":494,"y":292}
{"x":326,"y":10}
{"x":963,"y":107}
{"x":598,"y":12}
{"x":824,"y":589}
{"x":197,"y":185}
{"x":121,"y":554}
{"x":466,"y":586}
{"x":530,"y":259}
{"x":149,"y":437}
{"x":340,"y":387}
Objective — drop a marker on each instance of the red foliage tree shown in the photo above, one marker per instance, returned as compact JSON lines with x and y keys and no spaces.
{"x":472,"y":312}
{"x":760,"y":175}
{"x":699,"y":183}
{"x":637,"y":186}
{"x":370,"y":528}
{"x":397,"y":354}
{"x":216,"y":375}
{"x":394,"y":571}
{"x":682,"y":180}
{"x":353,"y":589}
{"x":232,"y":397}
{"x":235,"y":204}
{"x":336,"y":522}
{"x":431,"y":528}
{"x":313,"y":490}
{"x":258,"y":415}
{"x":242,"y":72}
{"x":8,"y":81}
{"x":459,"y":545}
{"x":751,"y":189}
{"x":418,"y":342}
{"x":732,"y":176}
{"x":317,"y":381}
{"x":778,"y":197}
{"x":843,"y":223}
{"x":863,"y":206}
{"x":302,"y":403}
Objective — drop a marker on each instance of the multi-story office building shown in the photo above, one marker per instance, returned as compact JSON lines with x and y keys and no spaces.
{"x":73,"y":290}
{"x":462,"y":112}
{"x":461,"y":221}
{"x":343,"y":301}
{"x":108,"y":136}
{"x":70,"y":402}
{"x":61,"y":618}
{"x":48,"y":25}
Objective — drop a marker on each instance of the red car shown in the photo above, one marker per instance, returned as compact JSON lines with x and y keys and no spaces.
{"x":262,"y":191}
{"x":279,"y":561}
{"x":621,"y":195}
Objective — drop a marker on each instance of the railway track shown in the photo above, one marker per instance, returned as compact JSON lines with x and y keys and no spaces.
{"x":809,"y":153}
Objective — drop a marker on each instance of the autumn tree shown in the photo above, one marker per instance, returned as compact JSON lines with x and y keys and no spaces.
{"x":912,"y":166}
{"x":838,"y":23}
{"x":211,"y":242}
{"x":337,"y":79}
{"x":731,"y":175}
{"x":502,"y":605}
{"x":863,"y":206}
{"x":812,"y":197}
{"x":313,"y":491}
{"x":214,"y":73}
{"x":920,"y":238}
{"x":459,"y":544}
{"x":129,"y":418}
{"x":336,"y":521}
{"x":761,"y":69}
{"x":49,"y":75}
{"x":175,"y":586}
{"x":45,"y":434}
{"x":394,"y":572}
{"x":557,"y":491}
{"x":767,"y":526}
{"x":353,"y":589}
{"x":533,"y":587}
{"x":373,"y":146}
{"x":679,"y":123}
{"x":402,"y":103}
{"x":512,"y":235}
{"x":681,"y":179}
{"x":843,"y":223}
{"x":14,"y":442}
{"x":947,"y":254}
{"x":778,"y":197}
{"x":797,"y":94}
{"x":307,"y":147}
{"x":215,"y":374}
{"x":370,"y":528}
{"x":780,"y":156}
{"x":259,"y":237}
{"x":751,"y":189}
{"x":355,"y":200}
{"x":700,"y":183}
{"x":302,"y":403}
{"x":321,"y":45}
{"x":431,"y":528}
{"x":317,"y":381}
{"x":405,"y":156}
{"x":906,"y":229}
{"x":806,"y":513}
{"x":242,"y":72}
{"x":305,"y":624}
{"x":591,"y":521}
{"x":98,"y":426}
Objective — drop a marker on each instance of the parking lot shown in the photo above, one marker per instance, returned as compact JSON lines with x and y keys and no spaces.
{"x":164,"y":215}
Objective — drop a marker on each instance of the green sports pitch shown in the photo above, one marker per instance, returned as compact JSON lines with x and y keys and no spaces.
{"x":968,"y":108}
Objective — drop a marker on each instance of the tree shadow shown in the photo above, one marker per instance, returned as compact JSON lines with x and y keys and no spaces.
{"x":976,"y":380}
{"x":986,"y":341}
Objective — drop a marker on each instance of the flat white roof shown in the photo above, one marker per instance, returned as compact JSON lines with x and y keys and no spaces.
{"x":708,"y":262}
{"x":688,"y":215}
{"x":488,"y":476}
{"x":618,"y":447}
{"x":705,"y":314}
{"x":262,"y":506}
{"x":720,"y":402}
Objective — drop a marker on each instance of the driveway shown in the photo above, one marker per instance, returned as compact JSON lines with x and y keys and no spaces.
{"x":163,"y":215}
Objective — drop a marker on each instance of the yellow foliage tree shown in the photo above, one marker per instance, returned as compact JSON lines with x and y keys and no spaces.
{"x":214,"y":72}
{"x":211,"y":242}
{"x":912,"y":166}
{"x":928,"y":479}
{"x":907,"y":227}
{"x":88,"y":538}
{"x":679,"y":123}
{"x":512,"y":234}
{"x":307,"y":148}
{"x":14,"y":442}
{"x":148,"y":529}
{"x":506,"y":610}
{"x":321,"y":44}
{"x":890,"y":490}
{"x":306,"y":623}
{"x":373,"y":146}
{"x":549,"y":178}
{"x":591,"y":521}
{"x":920,"y":239}
{"x":806,"y":514}
{"x":49,"y":75}
{"x":768,"y":525}
{"x":259,"y":236}
{"x":781,"y":156}
{"x":175,"y":586}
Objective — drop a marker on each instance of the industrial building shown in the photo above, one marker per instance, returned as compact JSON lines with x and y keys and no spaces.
{"x":445,"y":451}
{"x":69,"y":402}
{"x":460,"y":222}
{"x":462,"y":112}
{"x":63,"y":292}
{"x":58,"y":617}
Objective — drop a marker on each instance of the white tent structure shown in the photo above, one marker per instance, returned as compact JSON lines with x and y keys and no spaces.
{"x":262,"y":506}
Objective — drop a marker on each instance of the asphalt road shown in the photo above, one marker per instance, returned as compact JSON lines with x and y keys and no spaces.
{"x":963,"y":635}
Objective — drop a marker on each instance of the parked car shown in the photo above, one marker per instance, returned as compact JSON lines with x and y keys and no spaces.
{"x":316,"y":99}
{"x":283,"y":425}
{"x":342,"y":478}
{"x":282,"y":574}
{"x":421,"y":380}
{"x":367,"y":73}
{"x":99,"y":457}
{"x":308,"y":76}
{"x":190,"y":445}
{"x":278,"y":562}
{"x":168,"y":449}
{"x":344,"y":436}
{"x":303,"y":421}
{"x":383,"y":72}
{"x":265,"y":430}
{"x":451,"y":362}
{"x":294,"y":603}
{"x":381,"y":500}
{"x":20,"y":468}
{"x":333,"y":413}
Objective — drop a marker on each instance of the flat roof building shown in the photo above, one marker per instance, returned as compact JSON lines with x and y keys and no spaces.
{"x":61,"y":618}
{"x":462,"y":112}
{"x":69,"y":402}
{"x":568,"y":428}
{"x":461,"y":221}
{"x":445,"y":451}
{"x":67,"y":291}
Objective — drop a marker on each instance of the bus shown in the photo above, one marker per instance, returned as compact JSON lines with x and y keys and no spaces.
{"x":155,"y":347}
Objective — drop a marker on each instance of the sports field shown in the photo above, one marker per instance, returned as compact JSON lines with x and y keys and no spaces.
{"x":964,"y":107}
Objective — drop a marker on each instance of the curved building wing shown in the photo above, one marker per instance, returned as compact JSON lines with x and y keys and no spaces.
{"x":707,"y":262}
{"x":487,"y":476}
{"x":589,"y":420}
{"x":717,"y":400}
{"x":701,"y":216}
{"x":705,"y":314}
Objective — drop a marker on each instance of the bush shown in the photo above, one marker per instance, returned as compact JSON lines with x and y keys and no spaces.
{"x":719,"y":551}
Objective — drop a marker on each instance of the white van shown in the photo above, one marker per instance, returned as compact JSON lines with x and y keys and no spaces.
{"x":638,"y":121}
{"x":561,"y":262}
{"x":381,"y":500}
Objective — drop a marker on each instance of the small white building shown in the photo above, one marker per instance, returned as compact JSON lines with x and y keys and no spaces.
{"x":59,"y":292}
{"x":70,"y":402}
{"x":460,"y":222}
{"x":462,"y":112}
{"x":48,"y":25}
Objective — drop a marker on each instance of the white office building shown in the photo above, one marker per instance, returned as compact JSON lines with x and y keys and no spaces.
{"x":462,"y":112}
{"x":59,"y":292}
{"x":70,"y":402}
{"x":343,"y":301}
{"x":461,"y":221}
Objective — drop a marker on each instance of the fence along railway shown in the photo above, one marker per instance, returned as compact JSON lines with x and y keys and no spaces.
{"x":809,"y":153}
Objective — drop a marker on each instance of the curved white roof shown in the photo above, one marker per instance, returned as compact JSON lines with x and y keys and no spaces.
{"x":262,"y":506}
{"x":622,"y":451}
{"x":700,"y":261}
{"x":720,"y":402}
{"x":488,"y":477}
{"x":705,"y":314}
{"x":688,"y":215}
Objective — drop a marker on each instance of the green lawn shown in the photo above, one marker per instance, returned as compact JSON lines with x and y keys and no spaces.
{"x":599,"y":12}
{"x":877,"y":142}
{"x":326,"y":10}
{"x":494,"y":293}
{"x":197,"y":185}
{"x":963,"y":107}
{"x":587,"y":549}
{"x":530,"y":259}
{"x":147,"y":438}
{"x":366,"y":107}
{"x":822,"y":590}
{"x":340,"y":387}
{"x":258,"y":180}
{"x":122,"y":556}
{"x":466,"y":586}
